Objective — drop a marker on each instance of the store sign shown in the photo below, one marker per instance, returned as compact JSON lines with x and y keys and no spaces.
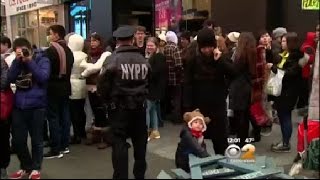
{"x":14,"y":7}
{"x":168,"y":12}
{"x":162,"y":14}
{"x":45,"y":1}
{"x":310,"y":4}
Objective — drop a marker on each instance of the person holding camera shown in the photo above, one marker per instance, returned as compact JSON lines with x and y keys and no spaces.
{"x":30,"y":73}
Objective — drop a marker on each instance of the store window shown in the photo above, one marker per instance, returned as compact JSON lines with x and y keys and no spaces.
{"x":33,"y":25}
{"x":194,"y":14}
{"x":26,"y":25}
{"x":3,"y":26}
{"x":181,"y":15}
{"x":49,"y":16}
{"x":80,"y":17}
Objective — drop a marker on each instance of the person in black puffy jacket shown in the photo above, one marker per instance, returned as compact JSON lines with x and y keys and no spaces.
{"x":192,"y":139}
{"x":292,"y":79}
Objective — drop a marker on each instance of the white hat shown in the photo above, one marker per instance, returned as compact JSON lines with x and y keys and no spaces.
{"x":172,"y":37}
{"x":279,"y":32}
{"x":233,"y":36}
{"x":162,"y":37}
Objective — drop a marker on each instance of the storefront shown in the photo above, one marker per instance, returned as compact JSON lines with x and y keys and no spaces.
{"x":85,"y":16}
{"x":246,"y":15}
{"x":103,"y":17}
{"x":181,"y":15}
{"x":31,"y":18}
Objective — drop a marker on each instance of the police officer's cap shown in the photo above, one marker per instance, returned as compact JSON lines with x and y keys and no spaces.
{"x":124,"y":32}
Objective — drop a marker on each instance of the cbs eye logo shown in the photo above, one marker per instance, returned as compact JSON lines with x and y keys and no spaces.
{"x":244,"y":153}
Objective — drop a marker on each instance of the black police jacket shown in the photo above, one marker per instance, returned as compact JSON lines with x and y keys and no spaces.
{"x":124,"y":78}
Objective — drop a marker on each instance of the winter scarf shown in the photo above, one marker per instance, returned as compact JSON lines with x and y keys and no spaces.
{"x":196,"y":134}
{"x":95,"y":53}
{"x":62,"y":56}
{"x":284,"y":59}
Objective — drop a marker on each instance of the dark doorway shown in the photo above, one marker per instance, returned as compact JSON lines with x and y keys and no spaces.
{"x":133,"y":12}
{"x":276,"y":12}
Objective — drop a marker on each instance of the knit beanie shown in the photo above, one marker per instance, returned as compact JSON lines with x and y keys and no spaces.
{"x":172,"y":37}
{"x":279,"y":32}
{"x":206,"y":38}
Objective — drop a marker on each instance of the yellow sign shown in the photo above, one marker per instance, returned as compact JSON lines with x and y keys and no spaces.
{"x":310,"y":4}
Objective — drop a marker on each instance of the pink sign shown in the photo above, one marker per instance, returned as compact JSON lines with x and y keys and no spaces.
{"x":168,"y":12}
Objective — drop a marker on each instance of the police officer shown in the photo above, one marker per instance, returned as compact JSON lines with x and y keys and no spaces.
{"x":123,"y":85}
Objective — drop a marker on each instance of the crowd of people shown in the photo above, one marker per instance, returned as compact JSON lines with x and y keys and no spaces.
{"x":134,"y":83}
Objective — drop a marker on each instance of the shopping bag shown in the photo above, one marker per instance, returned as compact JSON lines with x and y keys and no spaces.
{"x":259,"y":114}
{"x":313,"y":132}
{"x":6,"y":104}
{"x":274,"y":85}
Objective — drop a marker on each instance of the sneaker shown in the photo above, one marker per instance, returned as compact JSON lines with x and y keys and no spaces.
{"x":295,"y":169}
{"x":19,"y":174}
{"x":34,"y":175}
{"x":52,"y":155}
{"x":266,"y":131}
{"x":281,"y":147}
{"x":154,"y":135}
{"x":3,"y":174}
{"x":65,"y":151}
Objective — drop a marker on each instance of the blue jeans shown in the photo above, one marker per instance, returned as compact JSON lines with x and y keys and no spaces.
{"x":159,"y":111}
{"x":59,"y":123}
{"x":24,"y":121}
{"x":286,"y":125}
{"x":152,"y":114}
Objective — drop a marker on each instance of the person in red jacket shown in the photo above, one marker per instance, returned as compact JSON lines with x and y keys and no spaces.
{"x":308,"y":47}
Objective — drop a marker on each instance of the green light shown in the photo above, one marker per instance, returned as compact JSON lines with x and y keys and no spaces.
{"x":310,"y":5}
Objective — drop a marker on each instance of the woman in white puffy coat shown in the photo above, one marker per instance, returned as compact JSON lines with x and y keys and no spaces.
{"x":78,"y":89}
